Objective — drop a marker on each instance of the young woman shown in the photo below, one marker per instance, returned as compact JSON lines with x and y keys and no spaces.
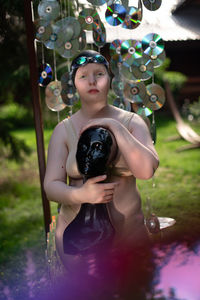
{"x":136,"y":158}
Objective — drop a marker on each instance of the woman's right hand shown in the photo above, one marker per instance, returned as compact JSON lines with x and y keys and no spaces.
{"x":94,"y":191}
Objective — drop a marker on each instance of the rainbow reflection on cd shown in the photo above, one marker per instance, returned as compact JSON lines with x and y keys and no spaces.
{"x":133,"y":18}
{"x":115,"y":47}
{"x":115,"y":14}
{"x":131,"y":49}
{"x":152,"y":44}
{"x":45,"y":74}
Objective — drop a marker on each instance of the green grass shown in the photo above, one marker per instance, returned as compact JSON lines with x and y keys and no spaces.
{"x":176,"y":194}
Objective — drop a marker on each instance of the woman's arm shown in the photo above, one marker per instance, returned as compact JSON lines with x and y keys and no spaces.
{"x":135,"y":145}
{"x":55,"y":178}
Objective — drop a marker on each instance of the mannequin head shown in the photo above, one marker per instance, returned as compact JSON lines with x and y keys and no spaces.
{"x":95,"y":151}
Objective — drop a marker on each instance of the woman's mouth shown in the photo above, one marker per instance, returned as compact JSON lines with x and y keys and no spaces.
{"x":93,"y":91}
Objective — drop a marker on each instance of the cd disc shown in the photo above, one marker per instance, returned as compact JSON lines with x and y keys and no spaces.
{"x":152,"y":44}
{"x":97,"y":2}
{"x":87,"y":17}
{"x":135,"y":92}
{"x":141,"y":110}
{"x":69,"y":27}
{"x":158,"y":60}
{"x":115,"y":14}
{"x":155,"y":96}
{"x":119,"y":102}
{"x":66,"y":82}
{"x":99,"y":33}
{"x":152,"y":4}
{"x":43,"y":30}
{"x":115,"y":64}
{"x":142,"y":68}
{"x":54,"y":41}
{"x":131,"y":49}
{"x":82,"y":41}
{"x":115,"y":47}
{"x":69,"y":97}
{"x":133,"y":18}
{"x":127,"y":72}
{"x":53,"y":98}
{"x":48,"y":10}
{"x":69,"y":49}
{"x":117,"y":86}
{"x":45,"y":74}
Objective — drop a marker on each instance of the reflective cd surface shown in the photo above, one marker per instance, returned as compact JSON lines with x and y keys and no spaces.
{"x":142,"y":68}
{"x":82,"y":41}
{"x":117,"y":86}
{"x":131,"y":49}
{"x":66,"y":82}
{"x":69,"y":49}
{"x":99,"y":33}
{"x":69,"y":97}
{"x":135,"y":92}
{"x":143,"y":111}
{"x":70,"y":28}
{"x":43,"y":30}
{"x":158,"y":60}
{"x":152,"y":4}
{"x":115,"y":14}
{"x":119,"y":102}
{"x":155,"y":96}
{"x":133,"y":18}
{"x":115,"y":47}
{"x":54,"y":41}
{"x":45,"y":74}
{"x":53,"y":97}
{"x":48,"y":10}
{"x":86,"y":18}
{"x":127,"y":72}
{"x":115,"y":64}
{"x":152,"y":44}
{"x":97,"y":2}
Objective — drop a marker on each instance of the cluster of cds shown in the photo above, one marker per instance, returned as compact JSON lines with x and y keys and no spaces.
{"x":132,"y":63}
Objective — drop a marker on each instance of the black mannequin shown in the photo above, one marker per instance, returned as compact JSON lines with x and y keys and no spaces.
{"x":91,"y":230}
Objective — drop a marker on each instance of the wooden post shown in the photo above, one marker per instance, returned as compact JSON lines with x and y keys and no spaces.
{"x":36,"y":101}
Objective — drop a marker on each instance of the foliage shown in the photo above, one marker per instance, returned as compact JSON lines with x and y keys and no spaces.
{"x":194,"y":109}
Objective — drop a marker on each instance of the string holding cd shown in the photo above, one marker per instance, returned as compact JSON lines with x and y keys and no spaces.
{"x":115,"y":64}
{"x":45,"y":74}
{"x":115,"y":14}
{"x":152,"y":4}
{"x":86,"y":18}
{"x":43,"y":30}
{"x":117,"y":86}
{"x":142,"y":68}
{"x":135,"y":92}
{"x":97,"y":2}
{"x":131,"y":49}
{"x":69,"y":49}
{"x":133,"y":18}
{"x":48,"y":10}
{"x":152,"y":44}
{"x":53,"y":97}
{"x":155,"y":96}
{"x":158,"y":60}
{"x":99,"y":33}
{"x":115,"y":47}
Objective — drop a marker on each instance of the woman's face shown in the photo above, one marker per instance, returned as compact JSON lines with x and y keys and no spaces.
{"x":92,"y":82}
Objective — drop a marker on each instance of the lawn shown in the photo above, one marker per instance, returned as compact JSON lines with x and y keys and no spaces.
{"x":176,"y":194}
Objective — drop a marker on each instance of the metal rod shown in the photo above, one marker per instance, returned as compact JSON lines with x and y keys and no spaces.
{"x":36,"y":101}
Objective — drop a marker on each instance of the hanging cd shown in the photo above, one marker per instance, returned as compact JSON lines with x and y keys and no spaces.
{"x":117,"y":86}
{"x":115,"y":14}
{"x":54,"y":41}
{"x":135,"y":92}
{"x":127,"y":72}
{"x":99,"y":33}
{"x":155,"y":96}
{"x":119,"y":102}
{"x":97,"y":2}
{"x":53,"y":98}
{"x":48,"y":10}
{"x":142,"y":68}
{"x":82,"y":41}
{"x":115,"y":64}
{"x":115,"y":47}
{"x":45,"y":74}
{"x":69,"y":49}
{"x":86,"y":18}
{"x":152,"y":44}
{"x":70,"y":28}
{"x":152,"y":4}
{"x":158,"y":60}
{"x":131,"y":49}
{"x":153,"y":131}
{"x":141,"y":110}
{"x":133,"y":18}
{"x":67,"y":82}
{"x":69,"y":97}
{"x":43,"y":30}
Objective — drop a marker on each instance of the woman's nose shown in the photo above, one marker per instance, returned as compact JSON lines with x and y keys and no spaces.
{"x":92,"y":79}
